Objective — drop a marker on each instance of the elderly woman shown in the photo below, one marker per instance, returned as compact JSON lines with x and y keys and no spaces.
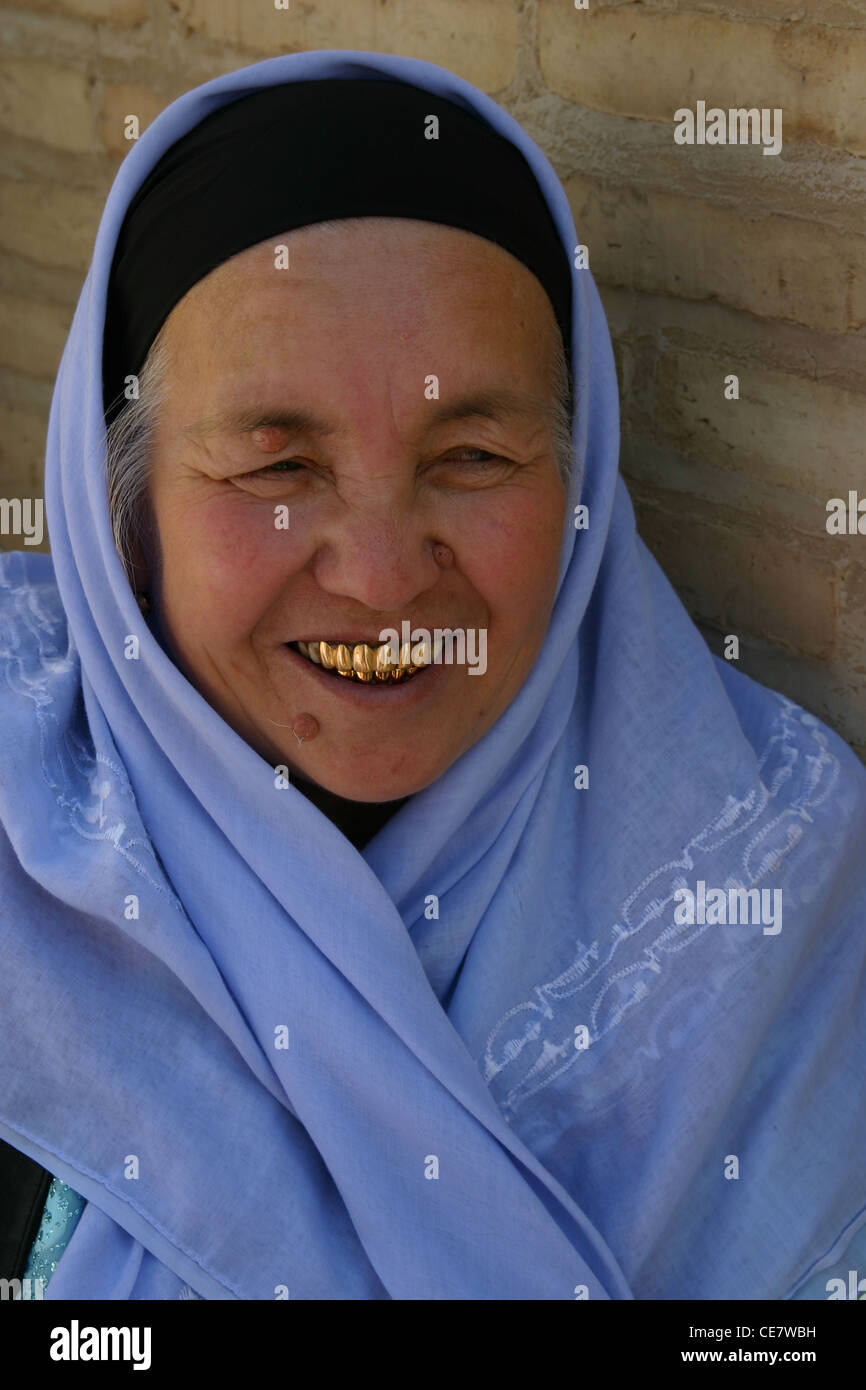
{"x":398,"y":898}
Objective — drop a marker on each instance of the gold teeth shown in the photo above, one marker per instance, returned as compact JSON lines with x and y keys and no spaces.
{"x":362,"y":662}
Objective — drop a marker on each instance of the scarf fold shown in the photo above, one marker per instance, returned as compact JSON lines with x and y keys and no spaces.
{"x":273,"y":1074}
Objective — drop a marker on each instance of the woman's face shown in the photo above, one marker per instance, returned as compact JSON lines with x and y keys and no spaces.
{"x":324,"y":470}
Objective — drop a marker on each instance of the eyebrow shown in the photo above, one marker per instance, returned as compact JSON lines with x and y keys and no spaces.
{"x":499,"y":404}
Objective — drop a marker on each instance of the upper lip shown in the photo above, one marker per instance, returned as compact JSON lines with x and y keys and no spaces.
{"x":370,"y":641}
{"x":332,"y":641}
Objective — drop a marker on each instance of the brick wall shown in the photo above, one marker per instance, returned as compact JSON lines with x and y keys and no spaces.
{"x":712,"y":260}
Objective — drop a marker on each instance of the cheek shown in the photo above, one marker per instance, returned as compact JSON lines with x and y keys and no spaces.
{"x":224,"y":562}
{"x":510,"y":553}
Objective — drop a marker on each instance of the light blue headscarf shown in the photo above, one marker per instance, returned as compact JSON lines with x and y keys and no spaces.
{"x":583,"y":1069}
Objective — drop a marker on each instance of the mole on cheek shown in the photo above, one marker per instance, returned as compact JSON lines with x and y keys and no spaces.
{"x":270,"y":438}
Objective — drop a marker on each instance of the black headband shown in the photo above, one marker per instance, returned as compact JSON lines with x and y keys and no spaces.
{"x":306,"y":152}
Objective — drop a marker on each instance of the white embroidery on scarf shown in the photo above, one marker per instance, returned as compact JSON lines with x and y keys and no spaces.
{"x":83,"y":782}
{"x":651,"y":901}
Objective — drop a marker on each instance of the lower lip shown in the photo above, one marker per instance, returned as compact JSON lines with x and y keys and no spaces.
{"x":373,"y":694}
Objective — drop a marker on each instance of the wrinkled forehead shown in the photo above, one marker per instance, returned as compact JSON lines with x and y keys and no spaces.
{"x":420,"y":287}
{"x":346,"y":331}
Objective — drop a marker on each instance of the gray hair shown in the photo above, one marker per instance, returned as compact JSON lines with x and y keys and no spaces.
{"x":131,"y":435}
{"x":562,"y":420}
{"x":129,"y":445}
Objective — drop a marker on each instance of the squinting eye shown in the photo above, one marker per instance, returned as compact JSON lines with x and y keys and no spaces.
{"x":281,"y":466}
{"x":477,"y":457}
{"x":485,"y":457}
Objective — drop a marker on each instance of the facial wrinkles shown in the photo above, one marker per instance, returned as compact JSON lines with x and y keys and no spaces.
{"x":383,"y":530}
{"x":228,"y":456}
{"x":383,"y":533}
{"x":371,"y":494}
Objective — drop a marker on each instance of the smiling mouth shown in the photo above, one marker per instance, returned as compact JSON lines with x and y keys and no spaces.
{"x":357,"y":661}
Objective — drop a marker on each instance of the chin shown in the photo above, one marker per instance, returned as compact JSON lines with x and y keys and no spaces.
{"x":368,"y":785}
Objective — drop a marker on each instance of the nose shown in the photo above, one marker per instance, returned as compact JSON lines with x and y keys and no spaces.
{"x":382,"y":552}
